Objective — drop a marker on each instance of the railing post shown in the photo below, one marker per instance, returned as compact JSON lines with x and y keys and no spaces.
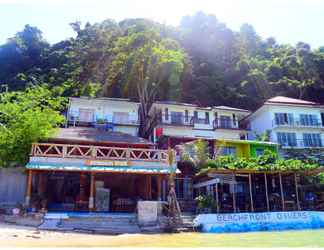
{"x":32,"y":149}
{"x":94,"y":152}
{"x":64,"y":151}
{"x":127,"y":154}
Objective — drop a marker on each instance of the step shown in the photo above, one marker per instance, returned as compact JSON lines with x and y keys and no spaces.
{"x":49,"y":224}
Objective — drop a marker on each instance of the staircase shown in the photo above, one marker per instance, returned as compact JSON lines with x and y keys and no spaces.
{"x":187,"y":223}
{"x":108,"y":224}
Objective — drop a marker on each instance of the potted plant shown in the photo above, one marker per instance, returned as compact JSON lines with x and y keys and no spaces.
{"x":206,"y":204}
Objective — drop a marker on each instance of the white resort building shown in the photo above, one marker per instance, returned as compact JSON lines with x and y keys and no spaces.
{"x":292,"y":123}
{"x":175,"y":123}
{"x":114,"y":114}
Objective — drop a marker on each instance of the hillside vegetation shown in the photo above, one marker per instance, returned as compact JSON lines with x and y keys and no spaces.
{"x":201,"y":61}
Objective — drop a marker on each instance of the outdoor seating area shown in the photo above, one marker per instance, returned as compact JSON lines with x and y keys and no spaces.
{"x":256,"y":191}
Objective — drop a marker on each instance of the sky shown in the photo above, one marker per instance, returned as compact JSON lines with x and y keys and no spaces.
{"x":289,"y":21}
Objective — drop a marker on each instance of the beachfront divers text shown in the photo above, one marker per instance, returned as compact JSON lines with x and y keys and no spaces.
{"x":258,"y":217}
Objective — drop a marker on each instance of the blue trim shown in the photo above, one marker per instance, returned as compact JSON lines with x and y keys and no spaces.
{"x":82,"y":167}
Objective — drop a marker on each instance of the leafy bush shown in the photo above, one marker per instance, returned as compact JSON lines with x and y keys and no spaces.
{"x":265,"y":162}
{"x":206,"y":201}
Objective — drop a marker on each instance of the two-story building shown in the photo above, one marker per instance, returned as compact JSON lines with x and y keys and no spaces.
{"x":181,"y":122}
{"x":292,"y":123}
{"x":97,"y":162}
{"x":114,"y":114}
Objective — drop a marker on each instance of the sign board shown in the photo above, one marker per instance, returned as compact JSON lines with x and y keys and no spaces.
{"x":147,"y":212}
{"x":244,"y":222}
{"x":106,"y":163}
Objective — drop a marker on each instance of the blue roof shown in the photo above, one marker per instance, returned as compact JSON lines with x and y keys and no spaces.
{"x":92,"y":168}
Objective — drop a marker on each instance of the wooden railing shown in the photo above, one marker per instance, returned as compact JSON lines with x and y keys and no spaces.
{"x":99,"y":152}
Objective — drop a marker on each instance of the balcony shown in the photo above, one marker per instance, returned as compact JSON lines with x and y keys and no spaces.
{"x":99,"y":153}
{"x":297,"y":124}
{"x":109,"y":120}
{"x":302,"y":144}
{"x":229,"y":124}
{"x":180,"y":120}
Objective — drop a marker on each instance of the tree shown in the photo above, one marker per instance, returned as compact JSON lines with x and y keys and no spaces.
{"x":26,"y":117}
{"x":145,"y":66}
{"x":21,"y":58}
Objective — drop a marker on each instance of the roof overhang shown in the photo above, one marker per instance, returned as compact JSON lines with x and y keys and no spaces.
{"x":104,"y":168}
{"x":89,"y":165}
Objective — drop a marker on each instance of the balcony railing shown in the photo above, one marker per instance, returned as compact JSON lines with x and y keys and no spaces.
{"x":180,"y":120}
{"x":302,"y":144}
{"x":297,"y":123}
{"x":229,"y":124}
{"x":75,"y":120}
{"x":99,"y":152}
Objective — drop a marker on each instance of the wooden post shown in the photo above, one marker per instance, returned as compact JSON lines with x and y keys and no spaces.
{"x":29,"y":188}
{"x":92,"y":191}
{"x":251,"y":195}
{"x":234,"y":198}
{"x":149,"y":187}
{"x":217,"y":198}
{"x":158,"y":182}
{"x":266,"y":191}
{"x":281,"y":193}
{"x":297,"y":196}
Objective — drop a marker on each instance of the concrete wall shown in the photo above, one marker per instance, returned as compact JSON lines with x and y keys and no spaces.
{"x":12,"y":185}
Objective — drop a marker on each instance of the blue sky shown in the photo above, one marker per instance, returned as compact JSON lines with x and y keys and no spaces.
{"x":289,"y":21}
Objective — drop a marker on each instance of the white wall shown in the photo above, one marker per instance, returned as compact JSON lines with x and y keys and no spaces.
{"x":260,"y":122}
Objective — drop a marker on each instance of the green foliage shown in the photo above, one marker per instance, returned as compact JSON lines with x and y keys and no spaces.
{"x":197,"y":153}
{"x":265,"y":136}
{"x":206,"y":201}
{"x":266,"y":162}
{"x":26,"y":117}
{"x":202,"y":61}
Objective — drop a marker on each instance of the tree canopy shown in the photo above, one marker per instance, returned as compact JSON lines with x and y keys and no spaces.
{"x":201,"y":61}
{"x":26,"y":117}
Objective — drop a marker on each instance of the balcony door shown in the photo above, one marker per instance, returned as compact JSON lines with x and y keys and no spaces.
{"x":176,"y":118}
{"x":86,"y":115}
{"x":225,"y":121}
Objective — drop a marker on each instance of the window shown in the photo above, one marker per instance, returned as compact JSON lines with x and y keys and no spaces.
{"x":186,"y":116}
{"x":284,"y":119}
{"x":166,"y":114}
{"x":234,"y":120}
{"x":229,"y":151}
{"x":86,"y":115}
{"x":121,"y":117}
{"x":225,"y":121}
{"x":287,"y":139}
{"x":312,"y":140}
{"x":308,"y":120}
{"x":259,"y":151}
{"x":207,"y":117}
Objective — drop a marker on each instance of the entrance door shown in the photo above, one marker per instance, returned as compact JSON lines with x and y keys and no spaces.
{"x":86,"y":115}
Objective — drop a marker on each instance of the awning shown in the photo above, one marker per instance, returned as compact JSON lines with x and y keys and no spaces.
{"x":87,"y":168}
